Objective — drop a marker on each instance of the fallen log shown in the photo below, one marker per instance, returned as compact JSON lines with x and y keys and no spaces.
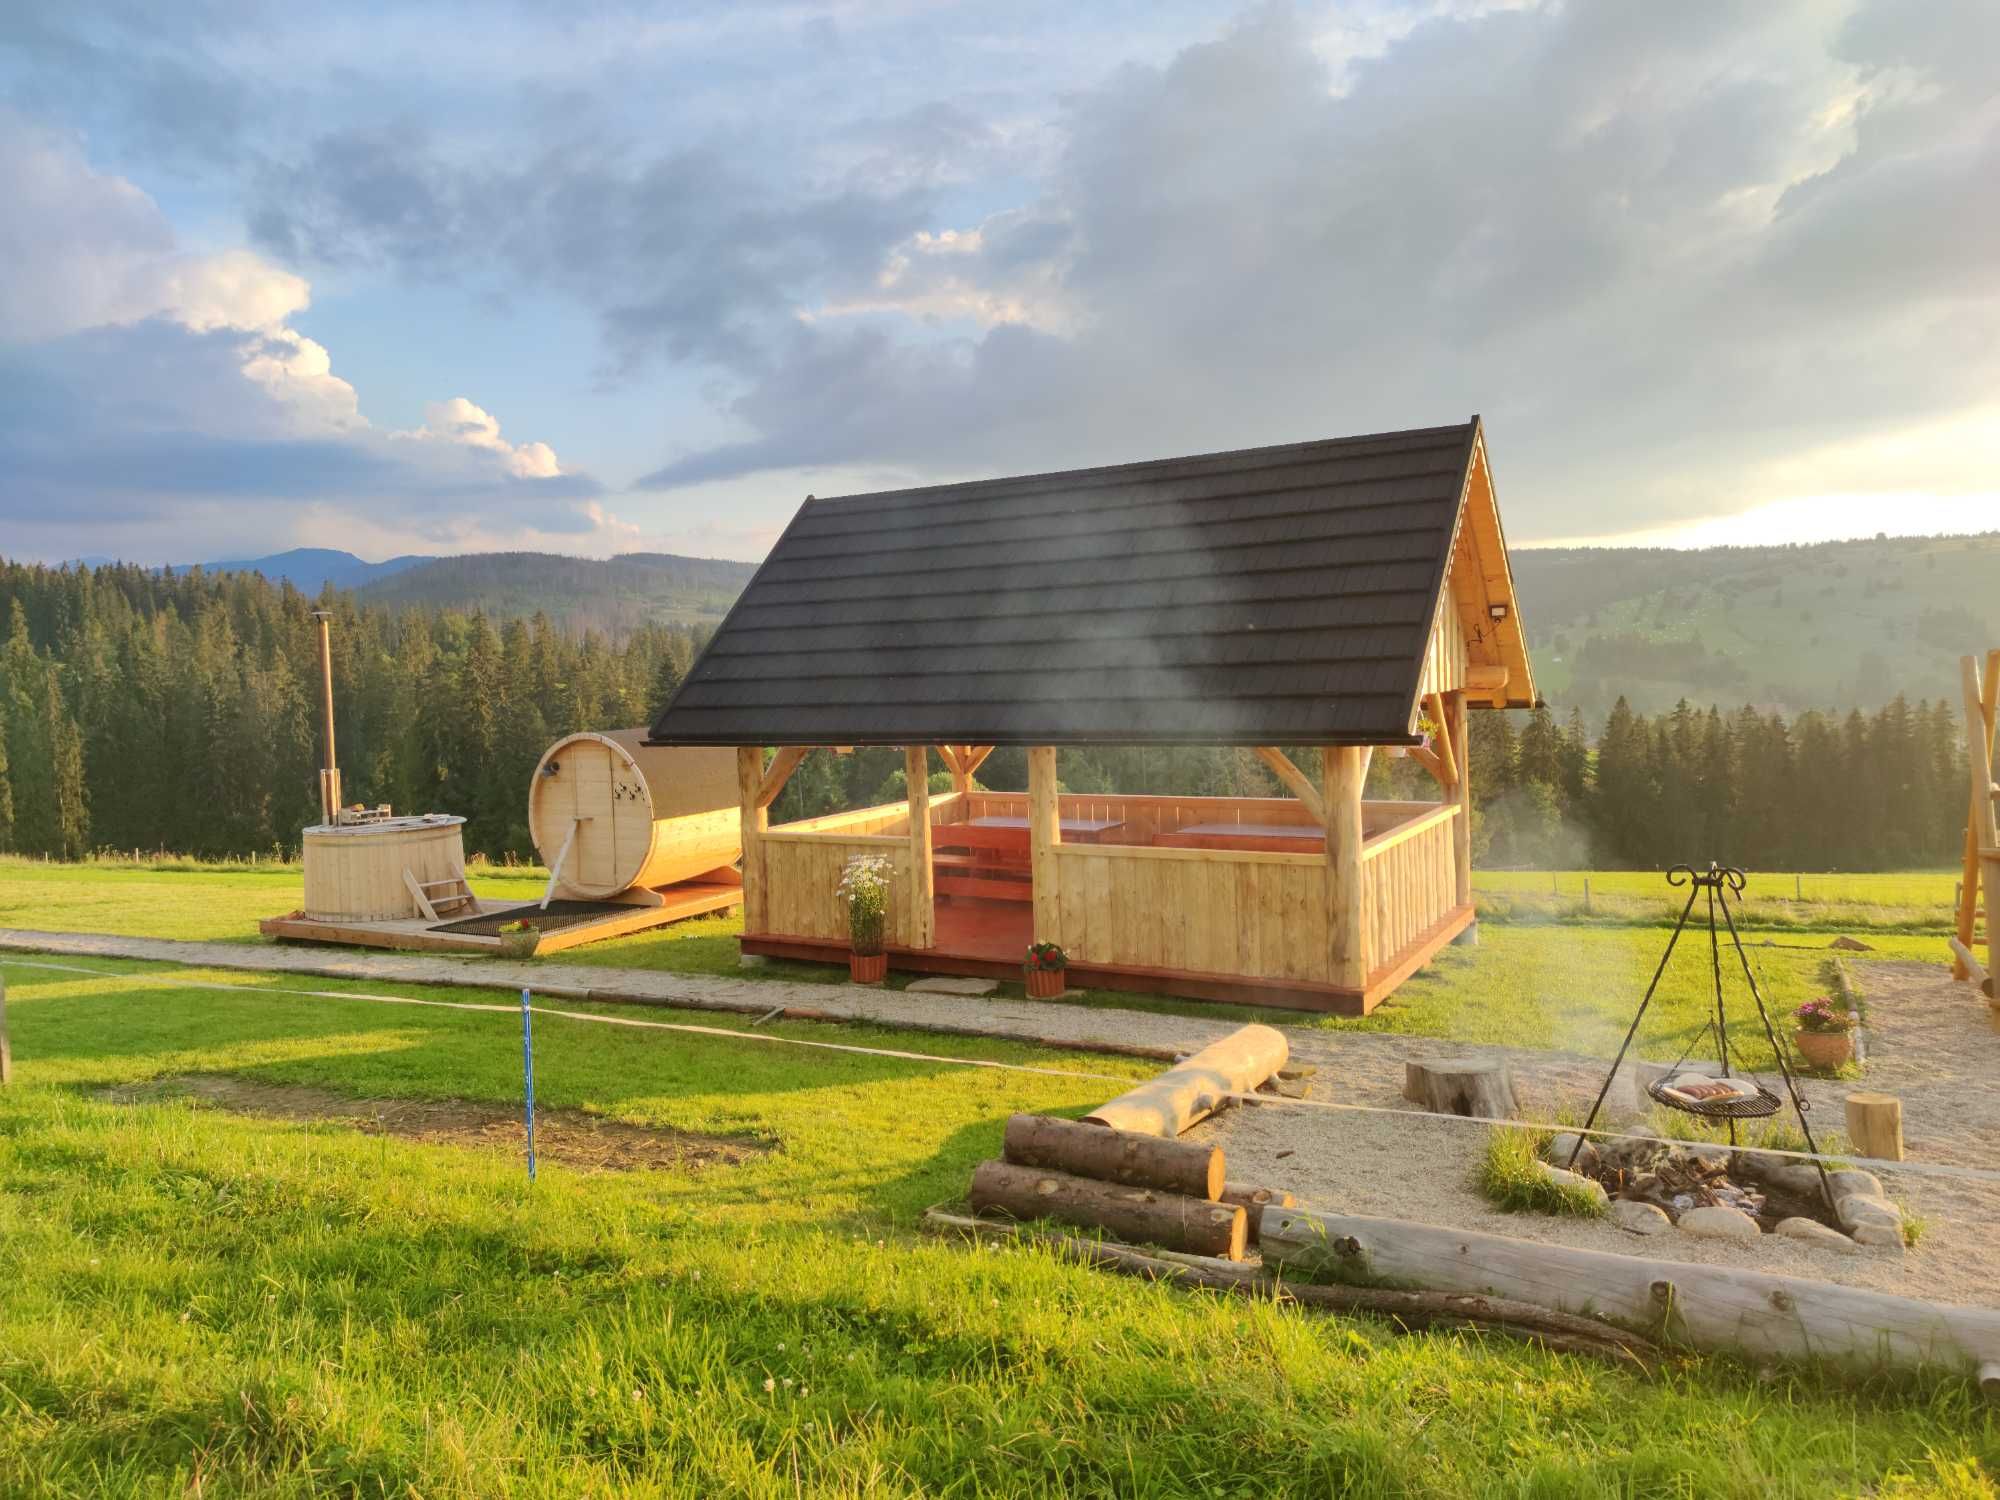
{"x":1254,"y":1200}
{"x":1197,"y":1088}
{"x":1409,"y":1310}
{"x":1704,"y":1306}
{"x":1115,"y":1155}
{"x":1471,"y":1086}
{"x":1144,"y":1215}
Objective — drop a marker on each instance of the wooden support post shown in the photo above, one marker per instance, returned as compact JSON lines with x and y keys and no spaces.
{"x":1044,"y":834}
{"x":783,"y":764}
{"x":1346,"y":910}
{"x":1981,"y":701}
{"x":6,"y":1051}
{"x":923,"y":888}
{"x":1461,"y":826}
{"x":1295,"y":781}
{"x":756,"y":818}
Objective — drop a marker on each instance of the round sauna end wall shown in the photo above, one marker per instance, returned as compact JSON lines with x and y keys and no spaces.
{"x":618,"y":813}
{"x":354,"y":871}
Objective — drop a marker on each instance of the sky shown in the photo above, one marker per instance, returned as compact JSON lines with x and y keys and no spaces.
{"x":607,"y":277}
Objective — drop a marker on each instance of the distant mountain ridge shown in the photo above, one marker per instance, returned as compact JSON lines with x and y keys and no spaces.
{"x":1830,"y":625}
{"x":615,"y":595}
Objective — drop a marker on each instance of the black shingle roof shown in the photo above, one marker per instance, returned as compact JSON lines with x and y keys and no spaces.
{"x":1266,"y":596}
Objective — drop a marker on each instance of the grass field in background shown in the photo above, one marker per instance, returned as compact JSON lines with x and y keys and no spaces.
{"x":192,"y":1302}
{"x":1907,"y":900}
{"x":1548,"y":983}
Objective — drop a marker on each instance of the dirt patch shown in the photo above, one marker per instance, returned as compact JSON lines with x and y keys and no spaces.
{"x":565,"y":1135}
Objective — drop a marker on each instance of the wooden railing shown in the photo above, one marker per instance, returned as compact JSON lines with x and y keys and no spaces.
{"x":1207,"y":911}
{"x":1409,"y":879}
{"x":802,"y":877}
{"x":1145,"y":817}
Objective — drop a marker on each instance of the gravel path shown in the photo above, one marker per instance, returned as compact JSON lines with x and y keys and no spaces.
{"x":1929,"y":1043}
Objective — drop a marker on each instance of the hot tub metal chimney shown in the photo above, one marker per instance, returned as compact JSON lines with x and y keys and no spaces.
{"x":329,"y":776}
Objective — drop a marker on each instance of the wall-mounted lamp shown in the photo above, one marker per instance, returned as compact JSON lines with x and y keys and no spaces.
{"x":1496,"y":612}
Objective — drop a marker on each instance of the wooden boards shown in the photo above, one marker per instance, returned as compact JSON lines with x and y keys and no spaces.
{"x":1115,"y":1155}
{"x":1141,"y":1215}
{"x":1705,"y":1306}
{"x":1197,"y":1088}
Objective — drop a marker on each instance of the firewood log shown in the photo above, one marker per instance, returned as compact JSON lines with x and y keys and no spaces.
{"x":1141,"y":1215}
{"x":1115,"y":1155}
{"x":1197,"y":1088}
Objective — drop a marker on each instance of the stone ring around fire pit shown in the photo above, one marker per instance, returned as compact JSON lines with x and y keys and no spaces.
{"x":1714,"y":1191}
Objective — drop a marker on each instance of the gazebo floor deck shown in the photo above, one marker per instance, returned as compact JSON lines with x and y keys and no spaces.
{"x":989,"y":939}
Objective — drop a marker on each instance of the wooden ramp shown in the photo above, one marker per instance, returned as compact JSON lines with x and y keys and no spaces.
{"x":674,"y":903}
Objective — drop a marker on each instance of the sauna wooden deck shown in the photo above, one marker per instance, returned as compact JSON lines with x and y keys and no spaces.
{"x":417,"y":934}
{"x":989,"y":939}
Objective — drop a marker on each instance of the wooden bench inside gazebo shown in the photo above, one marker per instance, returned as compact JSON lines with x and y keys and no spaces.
{"x":1315,"y":603}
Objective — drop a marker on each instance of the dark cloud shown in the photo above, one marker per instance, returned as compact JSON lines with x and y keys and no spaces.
{"x":689,"y":255}
{"x":1639,"y":239}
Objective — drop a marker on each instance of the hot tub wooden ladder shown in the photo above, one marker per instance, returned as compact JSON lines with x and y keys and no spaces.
{"x":451,"y":896}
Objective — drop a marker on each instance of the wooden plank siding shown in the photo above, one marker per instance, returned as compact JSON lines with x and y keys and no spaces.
{"x":804,"y":870}
{"x":1409,"y":880}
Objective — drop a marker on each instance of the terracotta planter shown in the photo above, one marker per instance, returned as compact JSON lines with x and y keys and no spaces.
{"x":867,"y":968}
{"x":1824,"y":1049}
{"x":1045,"y":984}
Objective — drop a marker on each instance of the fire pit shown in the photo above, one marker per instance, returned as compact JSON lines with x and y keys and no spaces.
{"x":1717,"y":1191}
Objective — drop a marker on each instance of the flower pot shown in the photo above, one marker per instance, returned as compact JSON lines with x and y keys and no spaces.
{"x":1824,"y":1049}
{"x":1045,"y":984}
{"x":519,"y":944}
{"x":867,"y":968}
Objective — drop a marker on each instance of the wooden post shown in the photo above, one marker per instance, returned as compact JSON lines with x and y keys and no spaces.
{"x":1346,"y":911}
{"x":756,"y":818}
{"x":923,"y":890}
{"x":1981,"y":701}
{"x":1461,"y":826}
{"x":1044,"y":834}
{"x":1875,"y":1125}
{"x":6,"y":1052}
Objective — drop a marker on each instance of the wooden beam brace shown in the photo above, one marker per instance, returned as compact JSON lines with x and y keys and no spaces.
{"x":1483,"y":678}
{"x":1447,"y":768}
{"x":786,"y":762}
{"x":975,"y":757}
{"x":1299,"y":784}
{"x":1429,"y":761}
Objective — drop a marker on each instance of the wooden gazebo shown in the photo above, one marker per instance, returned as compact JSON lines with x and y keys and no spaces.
{"x":1337,"y":596}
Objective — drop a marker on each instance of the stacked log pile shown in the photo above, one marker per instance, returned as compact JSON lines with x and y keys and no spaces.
{"x":1124,"y":1170}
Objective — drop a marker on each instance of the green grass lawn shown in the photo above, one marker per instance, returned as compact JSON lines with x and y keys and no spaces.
{"x":196,"y":1303}
{"x":1551,"y":984}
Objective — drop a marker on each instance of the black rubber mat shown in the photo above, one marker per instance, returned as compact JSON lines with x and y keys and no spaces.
{"x":557,"y":915}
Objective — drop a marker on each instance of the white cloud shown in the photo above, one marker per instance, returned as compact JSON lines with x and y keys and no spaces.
{"x":460,"y":421}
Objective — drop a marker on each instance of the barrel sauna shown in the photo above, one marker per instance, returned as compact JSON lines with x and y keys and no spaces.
{"x":354,"y":871}
{"x":609,"y":812}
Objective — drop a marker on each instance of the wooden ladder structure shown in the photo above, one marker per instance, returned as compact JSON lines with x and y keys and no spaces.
{"x":1982,"y":843}
{"x":451,"y":896}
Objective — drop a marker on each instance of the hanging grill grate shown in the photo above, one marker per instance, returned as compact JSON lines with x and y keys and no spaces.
{"x":1755,"y":1106}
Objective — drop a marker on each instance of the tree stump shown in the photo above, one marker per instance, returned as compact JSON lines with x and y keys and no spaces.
{"x":1875,"y":1125}
{"x":1461,"y":1086}
{"x":1136,"y":1215}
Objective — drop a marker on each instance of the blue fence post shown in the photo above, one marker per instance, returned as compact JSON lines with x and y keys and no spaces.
{"x":528,"y":1072}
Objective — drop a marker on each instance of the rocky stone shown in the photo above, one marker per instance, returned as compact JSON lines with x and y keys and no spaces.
{"x":951,"y":984}
{"x":1720,"y":1224}
{"x":1879,"y":1236}
{"x":1703,"y":1151}
{"x":1812,"y":1232}
{"x":1627,"y":1153}
{"x":1855,"y":1183}
{"x":1799,"y":1178}
{"x":1856,"y":1211}
{"x":1640,"y":1218}
{"x":1556,"y":1153}
{"x":1575,"y":1180}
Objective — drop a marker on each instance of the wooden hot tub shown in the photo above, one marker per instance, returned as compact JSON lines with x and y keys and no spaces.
{"x":355,"y":871}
